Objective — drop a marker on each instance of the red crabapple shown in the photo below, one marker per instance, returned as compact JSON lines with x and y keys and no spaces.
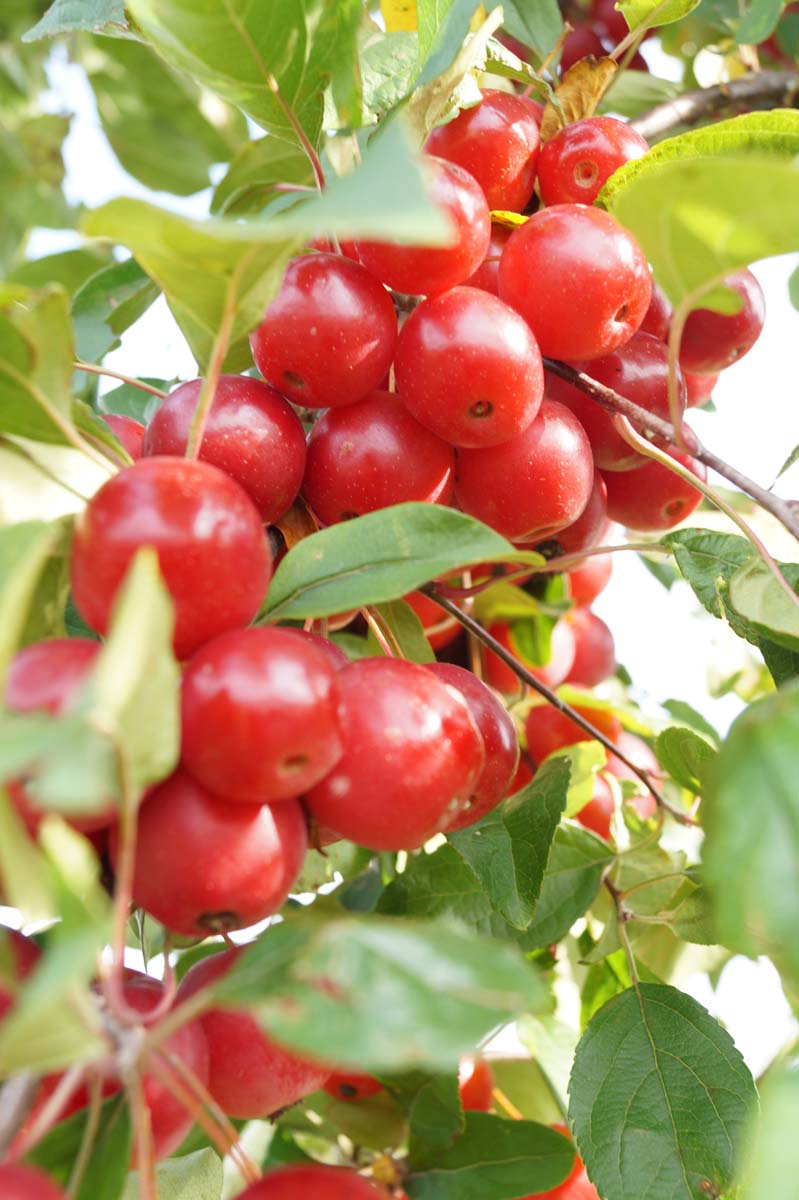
{"x":204,"y":529}
{"x":597,"y":814}
{"x":204,"y":865}
{"x":500,"y":738}
{"x":576,"y":1186}
{"x":487,"y":274}
{"x":439,"y":627}
{"x":659,"y":314}
{"x":584,"y":583}
{"x":653,"y":498}
{"x":129,"y":432}
{"x":578,"y":278}
{"x":252,"y":434}
{"x":699,"y":388}
{"x":259,"y":713}
{"x":548,"y":730}
{"x":497,"y":143}
{"x":468,"y":368}
{"x":712,"y":340}
{"x":426,"y":270}
{"x":249,"y":1075}
{"x":476,"y":1084}
{"x":371,"y":455}
{"x":20,"y":1182}
{"x":412,"y":757}
{"x":594,"y":649}
{"x":535,"y":484}
{"x":514,"y":637}
{"x":311,"y":1182}
{"x":592,"y":524}
{"x":576,"y":163}
{"x":328,"y":337}
{"x":350,"y":1087}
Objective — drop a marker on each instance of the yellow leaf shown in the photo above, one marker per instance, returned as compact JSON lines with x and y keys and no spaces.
{"x":399,"y":15}
{"x":510,"y":219}
{"x":579,"y":94}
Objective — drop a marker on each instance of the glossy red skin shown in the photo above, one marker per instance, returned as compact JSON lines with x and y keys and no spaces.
{"x":576,"y":1187}
{"x":333,"y":653}
{"x":440,"y":628}
{"x":352,"y":1087}
{"x":469,"y":369}
{"x":712,"y":341}
{"x":576,"y":163}
{"x":589,"y":579}
{"x":500,"y":738}
{"x":699,"y":388}
{"x":653,"y":498}
{"x":371,"y":455}
{"x":18,"y":1182}
{"x":259,"y":715}
{"x":548,"y":730}
{"x":252,"y":434}
{"x":22,"y":954}
{"x":659,"y":314}
{"x":426,"y":270}
{"x":312,"y":1182}
{"x":129,"y":432}
{"x":249,"y":1076}
{"x":594,"y":649}
{"x":525,"y":773}
{"x":486,"y":276}
{"x":204,"y":864}
{"x":205,"y":530}
{"x":592,"y":524}
{"x":535,"y":484}
{"x":578,"y":278}
{"x":579,"y":43}
{"x":476,"y":1085}
{"x":597,"y":814}
{"x":328,"y":337}
{"x":605,"y":14}
{"x":48,"y":677}
{"x":497,"y":143}
{"x":412,"y":757}
{"x":640,"y":372}
{"x":552,"y":673}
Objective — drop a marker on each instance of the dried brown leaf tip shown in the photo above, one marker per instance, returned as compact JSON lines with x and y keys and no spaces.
{"x":578,"y":94}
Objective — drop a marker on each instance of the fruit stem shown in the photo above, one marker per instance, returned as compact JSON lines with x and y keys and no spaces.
{"x":381,"y":634}
{"x":112,"y":973}
{"x":644,"y":447}
{"x":91,"y":369}
{"x":654,"y":426}
{"x":50,"y":1112}
{"x":88,"y":1139}
{"x":218,"y":352}
{"x":508,"y":1105}
{"x":142,"y":1136}
{"x":553,"y":699}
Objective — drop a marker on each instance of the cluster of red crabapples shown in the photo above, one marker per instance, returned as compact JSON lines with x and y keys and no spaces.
{"x":454,"y":407}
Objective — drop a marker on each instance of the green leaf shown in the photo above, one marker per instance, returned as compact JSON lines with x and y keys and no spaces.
{"x":685,"y":756}
{"x":69,"y":16}
{"x":27,"y":881}
{"x":436,"y":1119}
{"x":130,"y":401}
{"x":570,"y":885}
{"x":607,"y":979}
{"x":24,"y":550}
{"x":236,"y":49}
{"x":441,"y":884}
{"x":447,"y":80}
{"x":751,"y":817}
{"x":429,"y":16}
{"x":198,"y":1176}
{"x":379,"y":557}
{"x":769,"y":1166}
{"x":663,"y":13}
{"x":759,"y":22}
{"x":495,"y":1159}
{"x":35,"y":363}
{"x":536,"y":23}
{"x":57,"y":1151}
{"x":248,"y":185}
{"x":686,"y":715}
{"x":794,"y":455}
{"x":134,"y":689}
{"x":757,"y":597}
{"x":658,"y":1097}
{"x":108,"y":304}
{"x":389,"y":64}
{"x":509,"y":848}
{"x":153,"y":119}
{"x":793,"y":291}
{"x":31,"y":176}
{"x":386,"y":994}
{"x":70,"y":268}
{"x":634,"y":92}
{"x":586,"y":759}
{"x":406,"y":630}
{"x":752,"y":198}
{"x":443,"y":28}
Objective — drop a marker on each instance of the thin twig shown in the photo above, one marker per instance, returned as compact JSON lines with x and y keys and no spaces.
{"x":381,"y":634}
{"x":552,"y":698}
{"x":89,"y":1137}
{"x":142,"y":1136}
{"x":50,"y":1112}
{"x":760,"y":90}
{"x":16,"y":1099}
{"x":137,"y":383}
{"x":654,"y":427}
{"x":218,"y":352}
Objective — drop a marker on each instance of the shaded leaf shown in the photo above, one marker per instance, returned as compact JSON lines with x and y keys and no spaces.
{"x":536,"y":23}
{"x":659,"y":1096}
{"x":70,"y":16}
{"x":685,"y":756}
{"x":758,"y":22}
{"x":441,"y":884}
{"x":570,"y":884}
{"x":197,"y":1176}
{"x":578,"y":94}
{"x":35,"y":363}
{"x":406,"y":631}
{"x":436,"y":1119}
{"x":24,"y":550}
{"x":58,"y":1150}
{"x":769,"y":1166}
{"x":248,"y":185}
{"x":108,"y":304}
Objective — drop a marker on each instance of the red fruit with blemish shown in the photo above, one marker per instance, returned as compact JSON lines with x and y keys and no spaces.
{"x":412,"y":757}
{"x":351,"y":1087}
{"x":249,"y":1075}
{"x":576,"y":163}
{"x":500,"y":738}
{"x":328,"y":337}
{"x":252,"y":434}
{"x":496,"y":141}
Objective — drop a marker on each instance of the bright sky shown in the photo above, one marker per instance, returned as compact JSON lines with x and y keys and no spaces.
{"x":666,"y":645}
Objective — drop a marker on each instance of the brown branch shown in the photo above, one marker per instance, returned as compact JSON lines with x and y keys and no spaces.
{"x":760,"y":90}
{"x":475,"y":628}
{"x":654,"y":427}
